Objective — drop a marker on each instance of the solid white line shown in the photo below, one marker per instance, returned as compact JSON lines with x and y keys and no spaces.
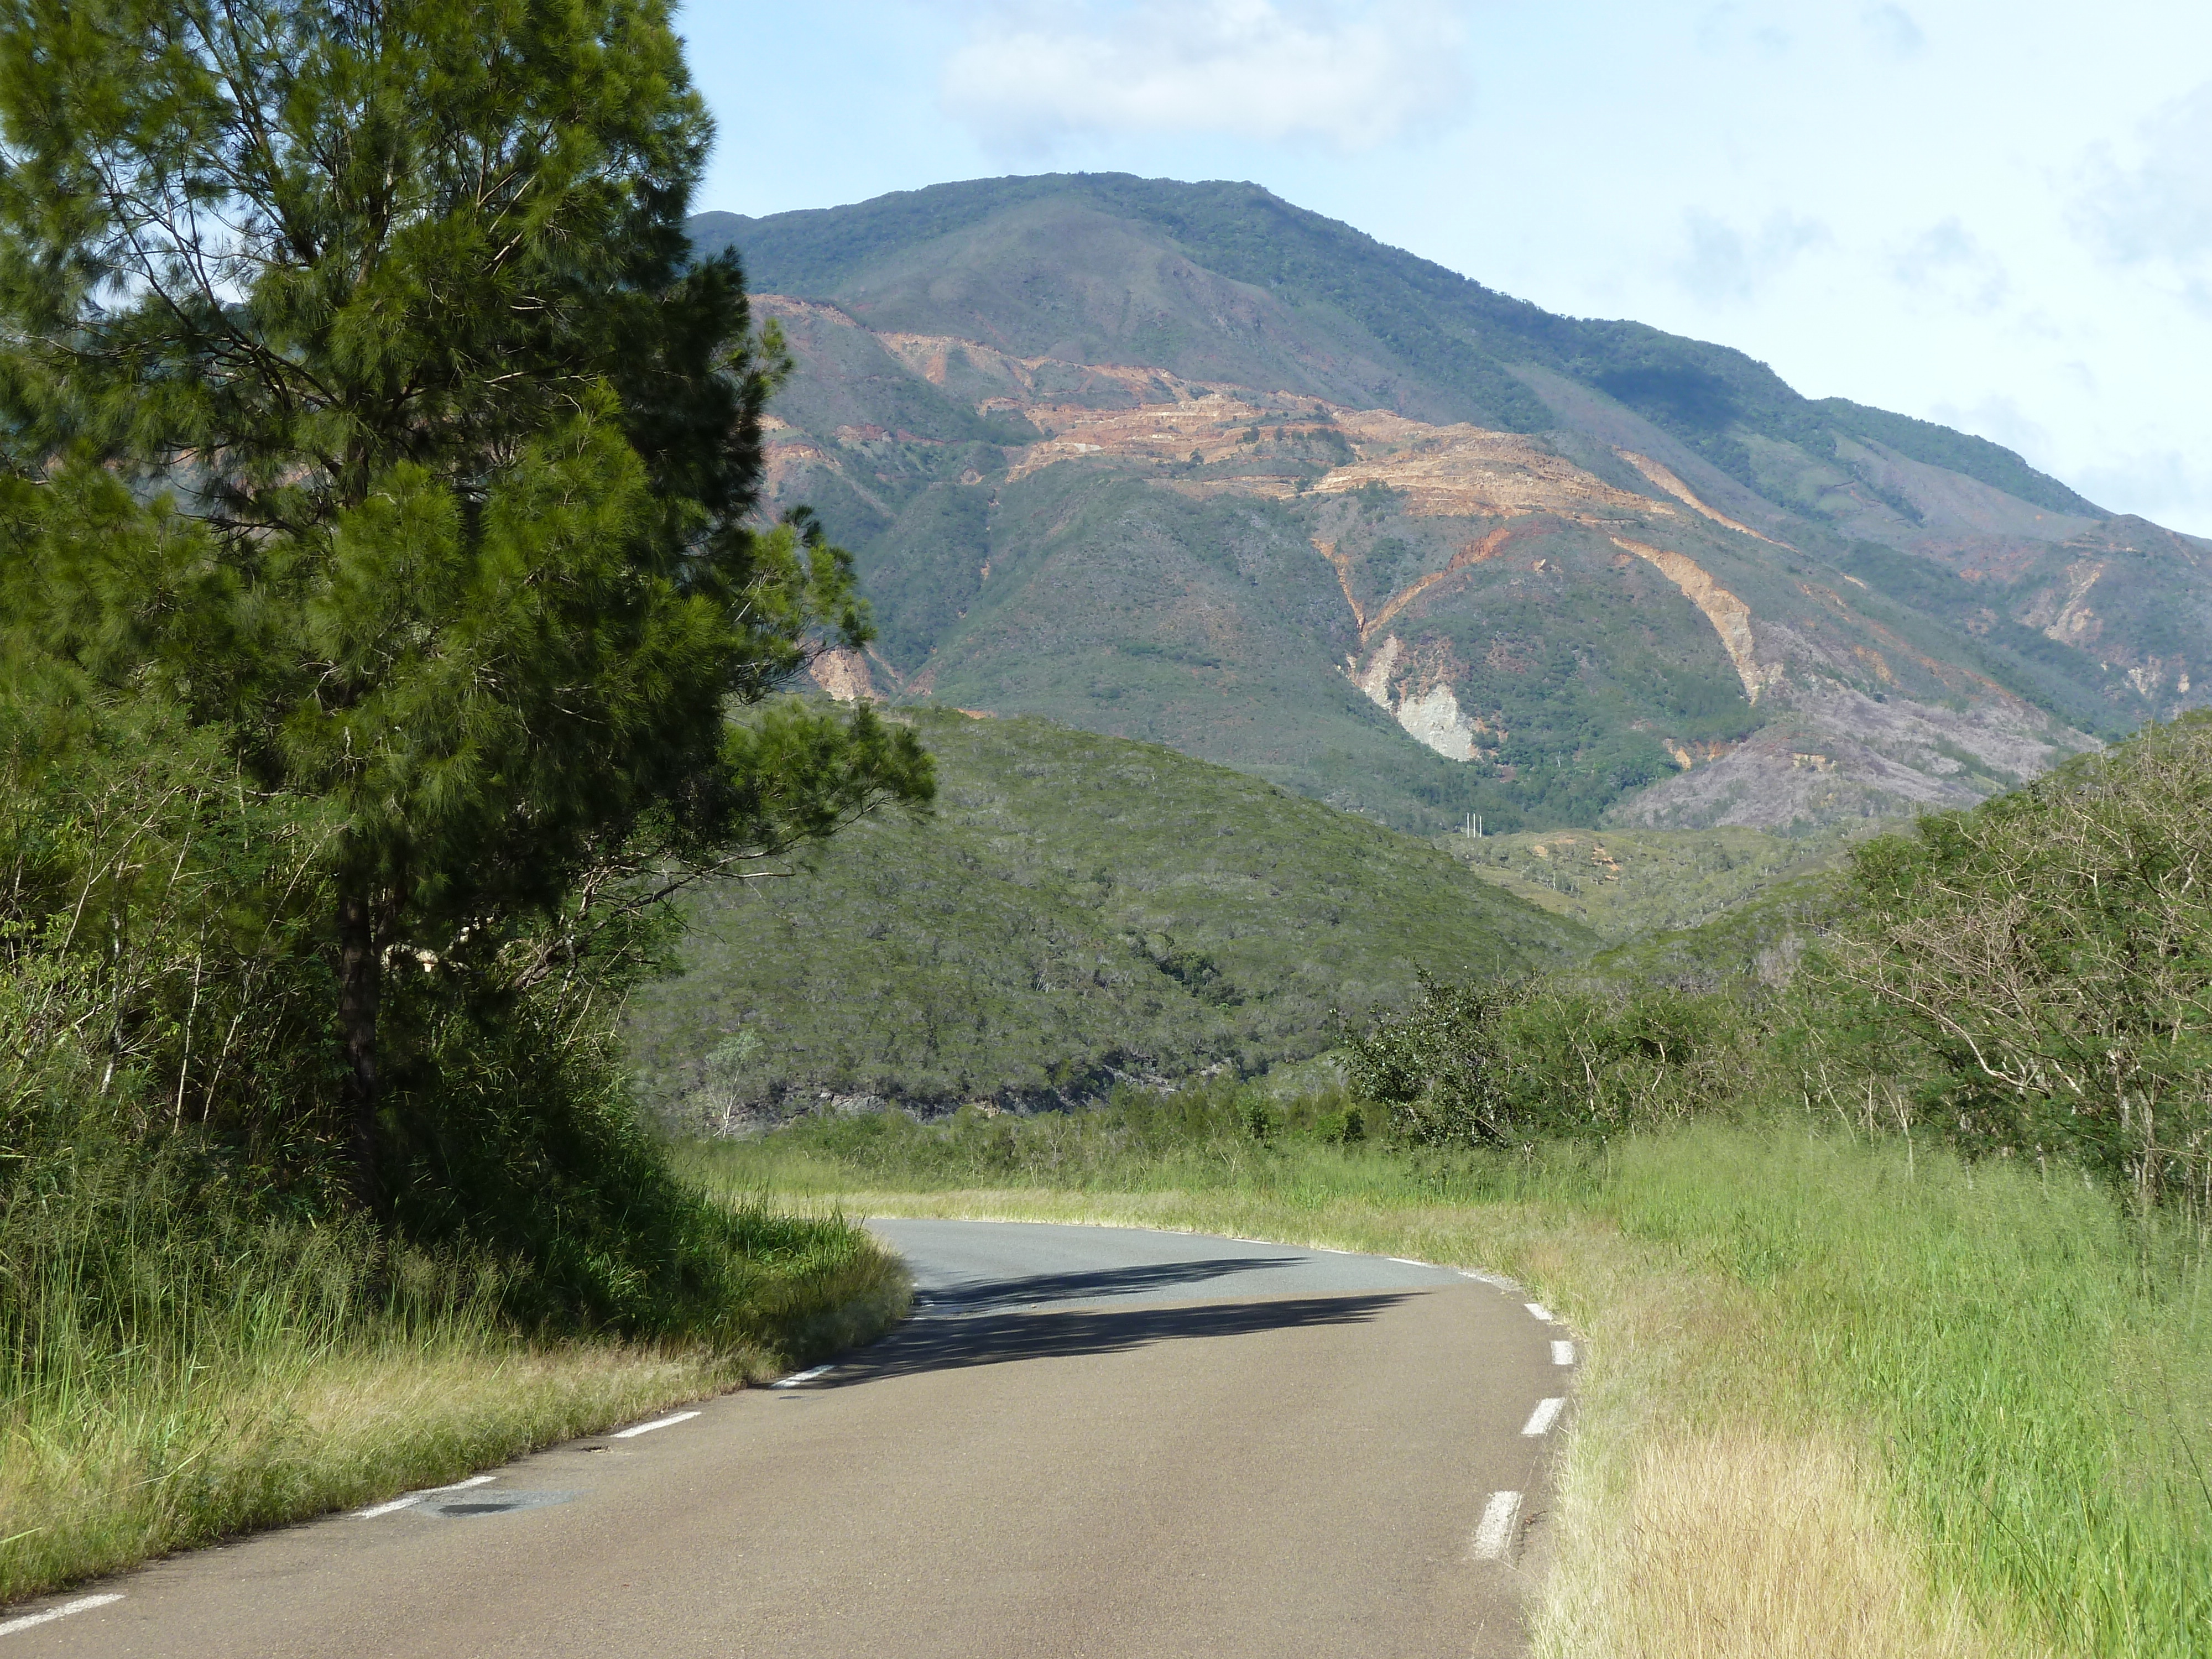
{"x":1562,"y":1353}
{"x":1406,"y":1261}
{"x":82,"y":1604}
{"x":657,"y":1423}
{"x":798,"y":1377}
{"x":417,"y":1497}
{"x":1494,"y":1535}
{"x":1539,"y":1310}
{"x":1546,"y":1414}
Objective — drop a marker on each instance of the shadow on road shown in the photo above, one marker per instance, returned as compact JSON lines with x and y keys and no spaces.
{"x":932,"y":1343}
{"x":983,"y":1295}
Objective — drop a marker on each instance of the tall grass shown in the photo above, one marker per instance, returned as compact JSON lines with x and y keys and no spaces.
{"x":2007,"y":1366}
{"x":171,"y":1373}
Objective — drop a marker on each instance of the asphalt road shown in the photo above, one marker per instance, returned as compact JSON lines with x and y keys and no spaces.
{"x":1088,"y":1442}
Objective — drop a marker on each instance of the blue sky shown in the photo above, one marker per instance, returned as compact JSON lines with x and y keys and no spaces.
{"x":1998,"y":216}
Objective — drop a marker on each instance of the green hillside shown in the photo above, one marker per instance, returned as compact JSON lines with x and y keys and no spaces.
{"x":1081,"y":908}
{"x":1625,"y":884}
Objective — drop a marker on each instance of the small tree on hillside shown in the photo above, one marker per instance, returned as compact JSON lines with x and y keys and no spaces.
{"x":386,"y":307}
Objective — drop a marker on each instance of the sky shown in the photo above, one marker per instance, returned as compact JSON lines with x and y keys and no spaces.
{"x":1996,"y":213}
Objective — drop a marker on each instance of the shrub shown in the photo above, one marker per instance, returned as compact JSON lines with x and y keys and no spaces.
{"x":2043,"y":962}
{"x":1438,"y":1069}
{"x":1507,"y":1061}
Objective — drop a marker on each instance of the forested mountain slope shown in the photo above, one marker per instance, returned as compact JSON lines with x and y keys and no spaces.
{"x":1186,"y":463}
{"x":1081,"y":909}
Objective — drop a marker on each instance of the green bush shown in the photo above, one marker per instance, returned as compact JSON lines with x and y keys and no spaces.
{"x":2039,"y":969}
{"x":1503,"y":1062}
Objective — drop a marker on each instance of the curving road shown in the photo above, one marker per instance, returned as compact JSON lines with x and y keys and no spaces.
{"x":1088,"y":1442}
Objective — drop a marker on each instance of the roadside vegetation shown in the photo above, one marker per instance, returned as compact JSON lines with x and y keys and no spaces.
{"x":1889,"y":1251}
{"x":388,"y":631}
{"x":1837,"y":1396}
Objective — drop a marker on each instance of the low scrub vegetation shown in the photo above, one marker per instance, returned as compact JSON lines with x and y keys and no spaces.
{"x":1627,"y":884}
{"x":1081,"y":908}
{"x":2029,"y":980}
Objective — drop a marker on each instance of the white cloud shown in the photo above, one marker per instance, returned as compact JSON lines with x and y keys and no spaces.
{"x":1349,"y":73}
{"x":1724,"y":265}
{"x":2156,"y":211}
{"x":1948,"y":263}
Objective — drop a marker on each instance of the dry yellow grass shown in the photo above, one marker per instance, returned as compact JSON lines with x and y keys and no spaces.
{"x":95,"y":1484}
{"x":1749,"y":1542}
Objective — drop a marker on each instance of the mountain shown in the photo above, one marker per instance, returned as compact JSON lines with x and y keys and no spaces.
{"x":1188,"y":464}
{"x":1082,"y":909}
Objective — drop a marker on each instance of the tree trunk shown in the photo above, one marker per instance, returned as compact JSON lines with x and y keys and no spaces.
{"x":360,"y":988}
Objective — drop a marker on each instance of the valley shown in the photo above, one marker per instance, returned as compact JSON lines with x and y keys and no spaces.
{"x":1082,"y":912}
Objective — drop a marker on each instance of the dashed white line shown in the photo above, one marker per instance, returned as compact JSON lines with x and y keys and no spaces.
{"x":668,"y":1422}
{"x":1493,"y":1534}
{"x":1539,"y":1310}
{"x":1541,"y":1420}
{"x":1562,"y":1353}
{"x":798,"y":1377}
{"x":372,"y":1513}
{"x":82,"y":1604}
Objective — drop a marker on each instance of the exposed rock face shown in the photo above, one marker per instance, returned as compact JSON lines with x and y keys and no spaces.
{"x":1730,"y":616}
{"x":1838,"y":753}
{"x":843,"y":674}
{"x":1435,"y":718}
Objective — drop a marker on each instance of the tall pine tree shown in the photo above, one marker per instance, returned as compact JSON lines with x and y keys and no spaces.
{"x":368,"y":405}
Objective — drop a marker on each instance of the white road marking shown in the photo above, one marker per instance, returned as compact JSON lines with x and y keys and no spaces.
{"x":1539,"y":1310}
{"x":798,"y":1377}
{"x":1406,"y":1261}
{"x":1541,"y":1420}
{"x":82,"y":1604}
{"x":1562,"y":1353}
{"x":1493,"y":1536}
{"x":658,"y":1423}
{"x":371,"y":1513}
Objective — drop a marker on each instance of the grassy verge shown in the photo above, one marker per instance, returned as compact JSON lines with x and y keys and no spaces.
{"x":283,"y":1372}
{"x":1839,"y":1398}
